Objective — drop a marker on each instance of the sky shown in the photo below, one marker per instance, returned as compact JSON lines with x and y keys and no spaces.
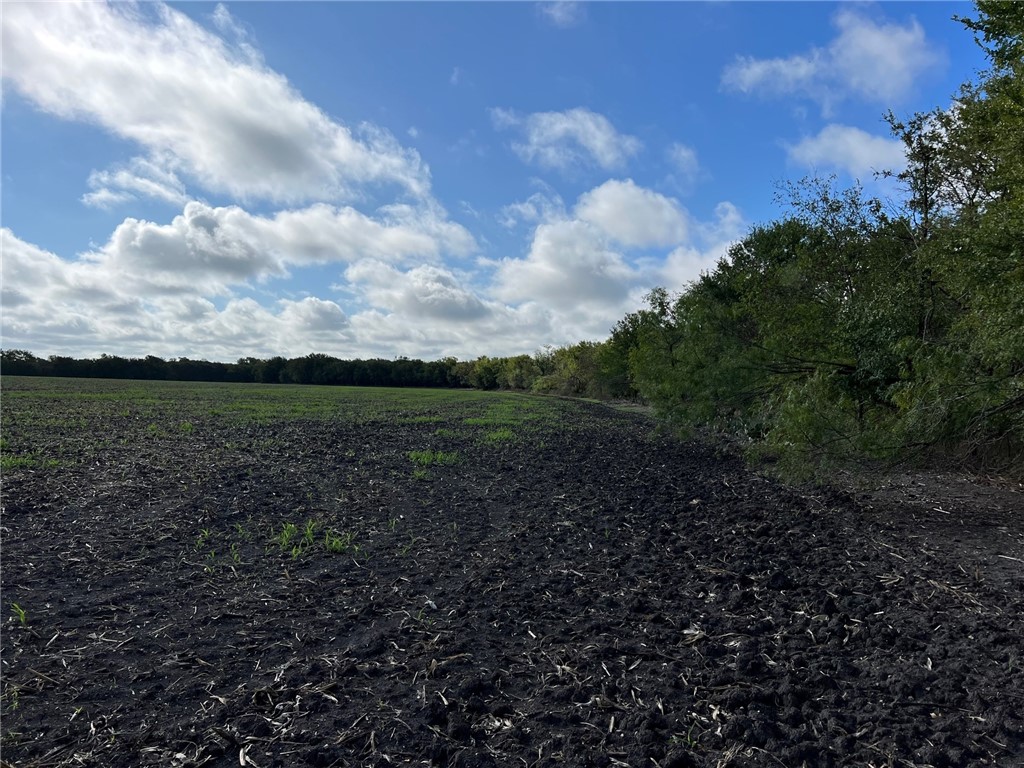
{"x":385,"y":179}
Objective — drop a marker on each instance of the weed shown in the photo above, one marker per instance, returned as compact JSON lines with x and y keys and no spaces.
{"x":392,"y":523}
{"x":21,"y":613}
{"x":420,"y":474}
{"x":186,"y":428}
{"x":445,"y":432}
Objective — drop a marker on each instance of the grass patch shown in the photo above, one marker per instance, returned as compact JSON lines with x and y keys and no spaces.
{"x":429,"y":458}
{"x":499,"y":436}
{"x":26,"y":461}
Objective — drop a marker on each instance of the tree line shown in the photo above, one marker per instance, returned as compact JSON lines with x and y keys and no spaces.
{"x":573,"y":370}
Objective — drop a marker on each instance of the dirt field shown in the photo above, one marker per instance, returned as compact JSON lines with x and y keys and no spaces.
{"x":272,"y":576}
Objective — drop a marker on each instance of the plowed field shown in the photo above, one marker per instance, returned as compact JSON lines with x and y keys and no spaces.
{"x":205,"y":575}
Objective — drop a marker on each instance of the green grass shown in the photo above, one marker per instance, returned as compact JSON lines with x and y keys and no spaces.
{"x":27,"y":461}
{"x":498,"y":436}
{"x":429,"y":458}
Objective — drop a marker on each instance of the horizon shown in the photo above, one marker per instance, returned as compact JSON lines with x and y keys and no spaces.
{"x":421,"y":180}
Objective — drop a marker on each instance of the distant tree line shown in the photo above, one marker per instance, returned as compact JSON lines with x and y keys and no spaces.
{"x":571,"y":370}
{"x":311,"y":369}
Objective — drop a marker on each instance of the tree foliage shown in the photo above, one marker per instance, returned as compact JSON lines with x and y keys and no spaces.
{"x":847,"y":329}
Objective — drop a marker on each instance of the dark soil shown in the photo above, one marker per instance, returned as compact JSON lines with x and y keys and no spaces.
{"x":590,"y":596}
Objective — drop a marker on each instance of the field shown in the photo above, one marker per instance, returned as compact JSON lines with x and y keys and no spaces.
{"x":212,"y":575}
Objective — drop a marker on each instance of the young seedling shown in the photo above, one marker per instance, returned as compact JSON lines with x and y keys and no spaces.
{"x":288,"y":532}
{"x":338,"y":543}
{"x":202,"y":538}
{"x":21,"y":613}
{"x":242,"y":532}
{"x":309,"y":532}
{"x":408,"y":547}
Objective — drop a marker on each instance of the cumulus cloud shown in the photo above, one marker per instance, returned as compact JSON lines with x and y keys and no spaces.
{"x":424,"y":292}
{"x":176,"y":289}
{"x":210,"y":249}
{"x":563,"y":140}
{"x":875,"y":61}
{"x":589,"y":265}
{"x":211,"y":110}
{"x":850,"y":149}
{"x":710,"y":243}
{"x":569,"y":264}
{"x":82,"y":307}
{"x":633,"y":216}
{"x":538,"y":207}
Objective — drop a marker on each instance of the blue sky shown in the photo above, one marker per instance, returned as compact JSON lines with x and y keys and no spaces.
{"x":424,"y":179}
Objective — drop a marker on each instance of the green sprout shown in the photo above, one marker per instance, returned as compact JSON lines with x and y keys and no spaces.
{"x":338,"y":543}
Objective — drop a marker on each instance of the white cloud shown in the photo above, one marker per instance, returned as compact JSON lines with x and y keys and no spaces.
{"x":83,"y":308}
{"x":876,"y":61}
{"x":562,"y":140}
{"x":538,"y":207}
{"x":582,"y":266}
{"x":880,"y":61}
{"x":569,"y":264}
{"x":424,"y":292}
{"x":456,"y":76}
{"x":153,"y":76}
{"x":150,"y":288}
{"x":633,"y":216}
{"x":563,"y":13}
{"x":139,"y":178}
{"x":775,"y":76}
{"x":711,"y":244}
{"x":850,"y":149}
{"x":211,"y":251}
